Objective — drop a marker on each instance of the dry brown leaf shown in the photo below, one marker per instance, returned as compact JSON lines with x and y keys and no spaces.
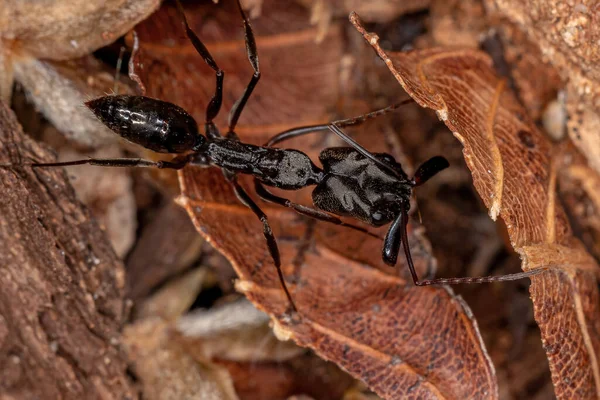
{"x":403,"y":341}
{"x":513,"y":171}
{"x":434,"y":331}
{"x":167,"y":371}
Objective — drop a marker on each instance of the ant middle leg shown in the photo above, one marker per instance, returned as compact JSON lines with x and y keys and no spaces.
{"x":245,"y":199}
{"x":266,"y":195}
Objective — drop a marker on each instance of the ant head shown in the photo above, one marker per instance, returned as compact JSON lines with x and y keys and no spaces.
{"x":428,"y":169}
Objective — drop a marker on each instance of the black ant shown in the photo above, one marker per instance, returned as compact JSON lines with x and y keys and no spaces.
{"x":353,"y":182}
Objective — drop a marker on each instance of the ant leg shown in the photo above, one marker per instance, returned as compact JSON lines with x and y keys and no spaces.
{"x":359,"y":120}
{"x":212,"y":110}
{"x":238,"y":107}
{"x":398,"y":233}
{"x":267,"y":232}
{"x":176,"y":163}
{"x":266,"y":195}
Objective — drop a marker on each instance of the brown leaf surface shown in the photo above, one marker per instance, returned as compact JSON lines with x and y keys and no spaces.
{"x":513,"y":171}
{"x":61,"y":297}
{"x":437,"y":353}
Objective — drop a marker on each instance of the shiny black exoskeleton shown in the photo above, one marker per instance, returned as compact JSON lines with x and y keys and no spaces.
{"x":352,"y":182}
{"x":157,"y":125}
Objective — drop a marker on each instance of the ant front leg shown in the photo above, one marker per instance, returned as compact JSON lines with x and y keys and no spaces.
{"x":266,"y":195}
{"x":267,"y":231}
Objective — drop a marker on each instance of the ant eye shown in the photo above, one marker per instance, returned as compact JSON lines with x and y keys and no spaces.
{"x":377,"y":216}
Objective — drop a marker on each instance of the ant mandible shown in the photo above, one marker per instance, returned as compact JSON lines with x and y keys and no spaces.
{"x":353,"y":182}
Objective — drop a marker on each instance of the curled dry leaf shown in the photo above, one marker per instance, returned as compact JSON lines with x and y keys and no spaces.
{"x":59,"y":90}
{"x":61,"y":297}
{"x":515,"y":175}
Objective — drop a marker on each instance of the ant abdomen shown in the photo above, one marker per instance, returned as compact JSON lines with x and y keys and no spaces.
{"x":157,"y":125}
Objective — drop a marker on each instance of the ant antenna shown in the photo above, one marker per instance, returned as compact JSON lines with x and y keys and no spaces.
{"x":341,"y":123}
{"x":455,"y":281}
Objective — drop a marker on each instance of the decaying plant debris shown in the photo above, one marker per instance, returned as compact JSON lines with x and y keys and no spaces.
{"x":171,"y":322}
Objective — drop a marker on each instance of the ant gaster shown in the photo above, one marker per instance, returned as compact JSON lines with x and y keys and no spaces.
{"x":353,"y":182}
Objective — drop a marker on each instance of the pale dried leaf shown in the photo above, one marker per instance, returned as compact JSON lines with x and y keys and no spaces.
{"x":59,"y":30}
{"x":235,"y":332}
{"x":165,"y":369}
{"x":176,"y":297}
{"x":59,"y":91}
